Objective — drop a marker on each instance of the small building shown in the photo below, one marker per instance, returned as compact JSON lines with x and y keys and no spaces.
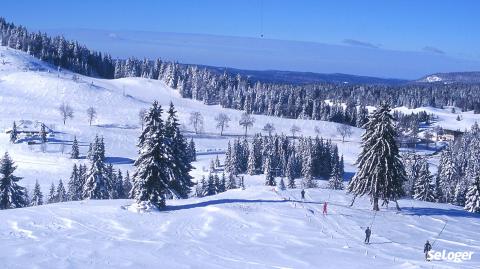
{"x":30,"y":130}
{"x":450,"y":135}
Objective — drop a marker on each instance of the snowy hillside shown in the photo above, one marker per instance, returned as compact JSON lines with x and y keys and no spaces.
{"x":30,"y":90}
{"x":258,"y":227}
{"x":253,"y":228}
{"x":447,"y":117}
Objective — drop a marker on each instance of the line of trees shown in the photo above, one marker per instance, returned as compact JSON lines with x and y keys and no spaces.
{"x":280,"y":156}
{"x":312,"y":101}
{"x":457,"y":178}
{"x":56,"y":50}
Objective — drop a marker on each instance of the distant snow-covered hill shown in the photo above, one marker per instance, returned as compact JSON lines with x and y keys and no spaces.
{"x":453,"y":77}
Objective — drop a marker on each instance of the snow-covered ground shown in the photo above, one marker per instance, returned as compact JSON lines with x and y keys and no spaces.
{"x":253,"y":228}
{"x":446,"y":118}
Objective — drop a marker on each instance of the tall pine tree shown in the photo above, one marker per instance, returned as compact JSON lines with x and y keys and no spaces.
{"x":424,"y":187}
{"x":380,"y":172}
{"x":75,"y":153}
{"x":150,"y":180}
{"x":473,"y":196}
{"x":179,"y":165}
{"x":96,"y":185}
{"x":37,"y":196}
{"x":11,"y":194}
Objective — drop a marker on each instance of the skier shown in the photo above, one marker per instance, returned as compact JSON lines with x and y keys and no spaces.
{"x":368,"y":232}
{"x":426,"y":249}
{"x":325,"y":208}
{"x":303,"y":194}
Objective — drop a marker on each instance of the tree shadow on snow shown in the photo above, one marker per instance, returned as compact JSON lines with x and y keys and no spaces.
{"x":229,"y":201}
{"x":428,"y":211}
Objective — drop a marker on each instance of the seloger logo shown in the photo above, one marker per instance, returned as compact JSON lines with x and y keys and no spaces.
{"x":459,"y":256}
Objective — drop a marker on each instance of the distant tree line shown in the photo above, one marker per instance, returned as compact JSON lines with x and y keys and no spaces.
{"x":343,"y":103}
{"x":57,"y":51}
{"x":279,"y":156}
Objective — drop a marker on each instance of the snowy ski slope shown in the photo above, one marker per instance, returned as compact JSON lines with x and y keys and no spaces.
{"x":253,"y":228}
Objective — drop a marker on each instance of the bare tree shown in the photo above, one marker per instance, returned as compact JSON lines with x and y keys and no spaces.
{"x":246,"y":121}
{"x":344,"y":130}
{"x":66,"y":112}
{"x":295,"y":129}
{"x":269,"y":128}
{"x":92,"y":114}
{"x":141,"y":116}
{"x":222,"y":121}
{"x":196,"y":120}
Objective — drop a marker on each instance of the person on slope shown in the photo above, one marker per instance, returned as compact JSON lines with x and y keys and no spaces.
{"x":426,"y":249}
{"x":303,"y":194}
{"x":325,"y":208}
{"x":368,"y":232}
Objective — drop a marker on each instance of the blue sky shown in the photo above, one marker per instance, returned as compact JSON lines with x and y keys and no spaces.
{"x":448,"y":28}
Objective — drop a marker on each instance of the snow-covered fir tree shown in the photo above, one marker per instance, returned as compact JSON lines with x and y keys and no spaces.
{"x":61,"y":195}
{"x":336,"y":179}
{"x":268,"y":172}
{"x":111,"y":177}
{"x":96,"y":185}
{"x":127,"y":185}
{"x":201,"y":188}
{"x":26,"y":197}
{"x":52,"y":194}
{"x":290,"y":172}
{"x":412,"y":163}
{"x":241,"y":183}
{"x":150,"y":180}
{"x":381,"y":173}
{"x":460,"y":192}
{"x":231,"y":182}
{"x":74,"y":184}
{"x":192,"y":151}
{"x":179,"y":157}
{"x":75,"y":153}
{"x":281,"y":184}
{"x":212,"y":166}
{"x":12,"y":195}
{"x":472,"y":203}
{"x":217,"y":162}
{"x":307,"y":167}
{"x":223,"y":183}
{"x":251,"y":166}
{"x":37,"y":196}
{"x":210,"y":188}
{"x":448,"y":175}
{"x":220,"y":183}
{"x":424,"y":186}
{"x":119,"y":189}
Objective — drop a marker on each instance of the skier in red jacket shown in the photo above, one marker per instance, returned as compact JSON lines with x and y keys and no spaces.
{"x":325,"y":208}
